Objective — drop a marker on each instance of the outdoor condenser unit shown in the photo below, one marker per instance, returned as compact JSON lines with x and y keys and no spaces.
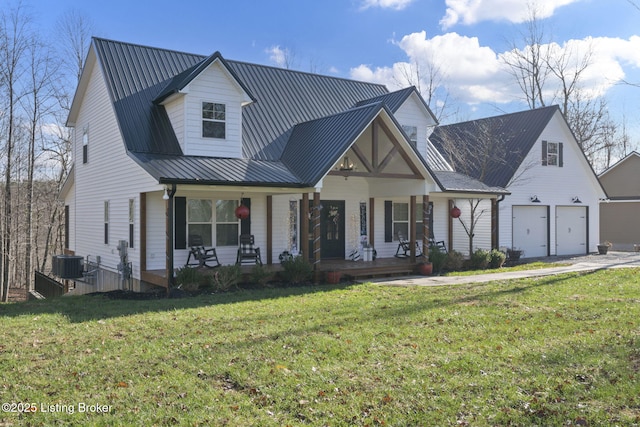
{"x":67,"y":266}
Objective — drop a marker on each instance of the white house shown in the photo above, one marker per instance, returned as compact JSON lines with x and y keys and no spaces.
{"x":168,"y":144}
{"x":553,"y":208}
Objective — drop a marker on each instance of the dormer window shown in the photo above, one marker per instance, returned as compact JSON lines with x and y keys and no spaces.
{"x":213,"y":120}
{"x":412,"y":133}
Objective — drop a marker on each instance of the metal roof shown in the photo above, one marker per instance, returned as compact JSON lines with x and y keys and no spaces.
{"x":316,"y":145}
{"x":215,"y":170}
{"x":460,"y":183}
{"x":515,"y":133}
{"x":394,"y":100}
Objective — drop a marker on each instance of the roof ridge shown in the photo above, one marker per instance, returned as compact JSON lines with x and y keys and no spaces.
{"x":150,"y":47}
{"x":500,"y":116}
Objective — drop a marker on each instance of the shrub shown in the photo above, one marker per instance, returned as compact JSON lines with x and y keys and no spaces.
{"x":438,"y":258}
{"x":225,"y":277}
{"x":480,"y":259}
{"x":190,"y":279}
{"x":296,"y":270}
{"x":497,"y":258}
{"x":260,"y":275}
{"x":454,"y":261}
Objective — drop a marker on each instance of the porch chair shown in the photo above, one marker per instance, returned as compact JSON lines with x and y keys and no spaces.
{"x":439,"y":245}
{"x":404,"y":245}
{"x":247,"y":252}
{"x":201,"y":255}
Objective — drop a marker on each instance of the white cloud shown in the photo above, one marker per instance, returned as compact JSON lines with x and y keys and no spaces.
{"x":277,"y":55}
{"x":475,"y":74}
{"x":386,"y":4}
{"x":469,"y":12}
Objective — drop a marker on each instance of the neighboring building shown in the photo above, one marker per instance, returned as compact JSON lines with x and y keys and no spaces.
{"x":553,"y":208}
{"x":168,"y":144}
{"x":620,"y":213}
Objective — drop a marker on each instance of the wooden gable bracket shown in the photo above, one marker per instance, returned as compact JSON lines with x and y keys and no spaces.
{"x":375,"y":167}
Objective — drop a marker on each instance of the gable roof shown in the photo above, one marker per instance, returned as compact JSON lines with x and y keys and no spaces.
{"x":394,"y":100}
{"x":518,"y":133}
{"x":619,"y":162}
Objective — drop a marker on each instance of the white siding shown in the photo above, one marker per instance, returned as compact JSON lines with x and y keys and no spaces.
{"x":214,"y":85}
{"x":176,"y":112}
{"x":109,"y":175}
{"x":482,"y":230}
{"x":412,"y":113}
{"x":554,"y":186}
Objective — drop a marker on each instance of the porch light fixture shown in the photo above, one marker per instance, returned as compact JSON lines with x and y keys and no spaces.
{"x":576,"y":200}
{"x":534,"y":199}
{"x":166,"y":194}
{"x":346,"y":165}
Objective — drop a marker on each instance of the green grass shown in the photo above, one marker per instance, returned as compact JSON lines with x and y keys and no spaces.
{"x":537,"y":265}
{"x":561,"y":350}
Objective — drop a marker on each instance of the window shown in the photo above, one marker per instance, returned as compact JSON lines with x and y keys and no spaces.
{"x":401,"y":221}
{"x":213,"y":120}
{"x":106,"y":222}
{"x":132,"y":206}
{"x":85,"y":145}
{"x":226,"y":223}
{"x":199,"y":215}
{"x":551,"y":153}
{"x":412,"y":133}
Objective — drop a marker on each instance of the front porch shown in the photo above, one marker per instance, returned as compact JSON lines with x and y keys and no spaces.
{"x":354,"y":270}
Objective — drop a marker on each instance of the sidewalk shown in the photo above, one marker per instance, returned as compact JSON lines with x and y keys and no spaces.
{"x":580,"y":263}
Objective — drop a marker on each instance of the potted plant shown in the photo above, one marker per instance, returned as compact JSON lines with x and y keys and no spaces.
{"x":425,"y":268}
{"x":603,"y":248}
{"x":333,"y":277}
{"x":514,"y":254}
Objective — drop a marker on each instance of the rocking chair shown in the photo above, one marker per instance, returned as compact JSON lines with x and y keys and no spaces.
{"x":404,"y":248}
{"x":201,"y":256}
{"x":247,"y":252}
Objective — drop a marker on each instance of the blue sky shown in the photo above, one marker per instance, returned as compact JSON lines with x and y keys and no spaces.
{"x":373,"y":39}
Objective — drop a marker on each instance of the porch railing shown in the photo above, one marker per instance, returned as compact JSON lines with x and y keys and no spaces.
{"x":47,"y":286}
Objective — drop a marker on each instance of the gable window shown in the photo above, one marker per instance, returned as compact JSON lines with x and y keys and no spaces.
{"x":85,"y":145}
{"x":226,"y":223}
{"x":199,"y":215}
{"x":213,"y":120}
{"x":106,"y":222}
{"x":551,"y":153}
{"x":412,"y":133}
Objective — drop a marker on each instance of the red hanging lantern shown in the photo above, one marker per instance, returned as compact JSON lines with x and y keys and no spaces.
{"x":242,"y":212}
{"x":455,"y":212}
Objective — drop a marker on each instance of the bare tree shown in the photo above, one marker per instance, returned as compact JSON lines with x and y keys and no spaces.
{"x":15,"y":27}
{"x":429,"y":79}
{"x":74,"y":29}
{"x":529,"y":66}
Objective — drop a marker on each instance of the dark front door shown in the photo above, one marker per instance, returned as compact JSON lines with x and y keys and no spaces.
{"x":332,"y":222}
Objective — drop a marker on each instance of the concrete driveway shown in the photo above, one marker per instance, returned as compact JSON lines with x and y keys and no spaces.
{"x":577,"y":263}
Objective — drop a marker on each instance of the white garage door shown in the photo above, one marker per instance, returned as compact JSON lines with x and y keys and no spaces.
{"x":530,"y":230}
{"x":571,"y":230}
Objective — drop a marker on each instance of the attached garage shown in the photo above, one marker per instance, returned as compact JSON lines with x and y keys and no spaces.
{"x":571,"y":230}
{"x":531,"y":230}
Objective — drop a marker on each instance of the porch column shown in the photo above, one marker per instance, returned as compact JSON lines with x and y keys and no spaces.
{"x":269,"y":229}
{"x":169,"y":238}
{"x":425,"y":226}
{"x":412,"y":228}
{"x":316,"y":236}
{"x":304,"y":227}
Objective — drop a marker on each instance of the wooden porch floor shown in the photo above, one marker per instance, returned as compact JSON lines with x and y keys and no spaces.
{"x":381,"y":267}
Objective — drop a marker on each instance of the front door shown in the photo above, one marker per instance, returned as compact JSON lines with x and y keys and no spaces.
{"x":332,"y":224}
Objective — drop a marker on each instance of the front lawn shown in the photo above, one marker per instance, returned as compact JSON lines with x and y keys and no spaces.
{"x":561,"y":350}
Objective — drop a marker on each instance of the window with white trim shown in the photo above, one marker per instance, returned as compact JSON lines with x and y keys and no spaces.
{"x":106,"y":222}
{"x":401,"y":221}
{"x":552,"y":154}
{"x":199,"y":216}
{"x":132,"y":215}
{"x":412,"y":133}
{"x":227,"y":225}
{"x":214,"y":118}
{"x":85,"y":145}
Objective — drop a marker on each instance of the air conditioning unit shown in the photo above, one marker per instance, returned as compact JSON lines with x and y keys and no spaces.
{"x":67,"y":266}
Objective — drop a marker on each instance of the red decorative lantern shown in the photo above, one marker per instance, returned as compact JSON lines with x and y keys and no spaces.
{"x":455,"y":212}
{"x":242,"y":212}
